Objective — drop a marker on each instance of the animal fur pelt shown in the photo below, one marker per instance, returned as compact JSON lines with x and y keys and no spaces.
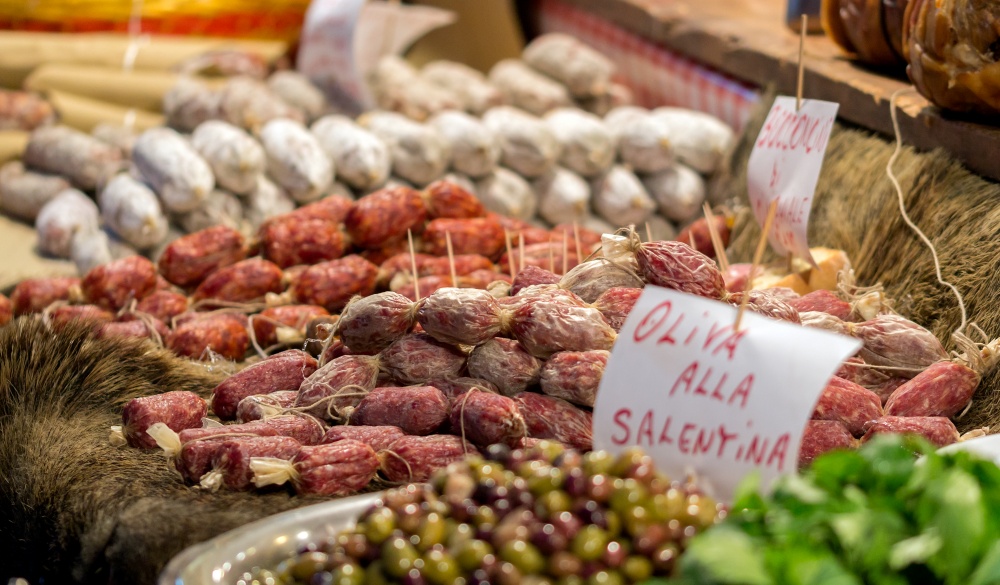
{"x":73,"y":508}
{"x":856,"y":210}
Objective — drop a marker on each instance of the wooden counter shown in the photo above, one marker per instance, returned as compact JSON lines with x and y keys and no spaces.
{"x":748,"y":40}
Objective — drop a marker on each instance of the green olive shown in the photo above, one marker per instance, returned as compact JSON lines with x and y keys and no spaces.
{"x":348,"y":574}
{"x":606,"y":578}
{"x":523,"y":555}
{"x":378,"y":526}
{"x":598,"y":462}
{"x":374,"y":575}
{"x":433,"y":530}
{"x":470,"y":555}
{"x":545,"y":480}
{"x":398,"y":556}
{"x":547,"y":450}
{"x":628,"y":493}
{"x":637,"y":568}
{"x":552,"y":503}
{"x":440,"y":567}
{"x":306,"y":565}
{"x":589,"y":543}
{"x":571,"y":580}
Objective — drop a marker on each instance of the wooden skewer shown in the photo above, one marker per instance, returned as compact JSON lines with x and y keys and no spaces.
{"x":576,"y":240}
{"x":758,"y":254}
{"x":413,"y":266}
{"x":691,"y":239}
{"x":802,"y":63}
{"x":720,"y":250}
{"x":451,"y":259}
{"x":649,"y":233}
{"x":552,"y":259}
{"x":566,"y":256}
{"x":510,"y":254}
{"x":520,"y":251}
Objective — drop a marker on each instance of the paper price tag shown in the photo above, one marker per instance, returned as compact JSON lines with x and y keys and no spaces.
{"x":785,"y":165}
{"x":342,"y":41}
{"x":700,"y":397}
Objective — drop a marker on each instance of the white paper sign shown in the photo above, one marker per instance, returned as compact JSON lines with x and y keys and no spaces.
{"x":342,"y":41}
{"x":701,"y":398}
{"x":785,"y":165}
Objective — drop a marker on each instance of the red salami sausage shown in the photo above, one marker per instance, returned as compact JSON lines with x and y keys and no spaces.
{"x":418,"y":357}
{"x":111,"y":285}
{"x":231,"y":460}
{"x":415,"y":459}
{"x":574,"y":375}
{"x":177,"y":409}
{"x":332,"y":284}
{"x":678,"y":266}
{"x":938,"y":430}
{"x":822,"y":436}
{"x":506,"y":364}
{"x":548,"y":417}
{"x":334,"y":469}
{"x":245,"y":281}
{"x":822,"y":301}
{"x":222,"y":333}
{"x":294,"y":241}
{"x":33,"y":295}
{"x":285,"y":325}
{"x":943,"y":389}
{"x":283,"y":371}
{"x":460,"y":316}
{"x":849,"y":404}
{"x":261,"y":406}
{"x":384,"y":216}
{"x":486,"y":419}
{"x":378,"y":438}
{"x":163,"y":305}
{"x":189,"y":259}
{"x":417,"y":410}
{"x":372,"y":323}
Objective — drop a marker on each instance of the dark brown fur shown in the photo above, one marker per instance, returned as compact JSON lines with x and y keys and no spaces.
{"x":856,"y":210}
{"x":74,"y":508}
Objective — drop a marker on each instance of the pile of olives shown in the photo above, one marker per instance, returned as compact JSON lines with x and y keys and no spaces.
{"x":541,"y":516}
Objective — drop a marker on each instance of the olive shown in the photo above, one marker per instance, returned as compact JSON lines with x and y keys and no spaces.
{"x":471,"y":554}
{"x":637,"y":568}
{"x":664,"y":556}
{"x":433,"y":530}
{"x":523,"y":555}
{"x":627,"y":493}
{"x":545,"y":480}
{"x":546,"y":451}
{"x":398,"y":556}
{"x":552,"y":503}
{"x":440,"y":567}
{"x":597,"y":462}
{"x":348,"y":574}
{"x":668,"y":506}
{"x":606,"y":578}
{"x":379,"y":525}
{"x":306,"y":565}
{"x":564,"y":564}
{"x":589,"y":543}
{"x":571,"y":580}
{"x":374,"y":575}
{"x":460,"y":534}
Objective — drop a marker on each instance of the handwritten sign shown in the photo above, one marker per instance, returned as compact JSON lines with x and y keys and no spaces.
{"x":342,"y":40}
{"x":702,"y":398}
{"x":785,"y":165}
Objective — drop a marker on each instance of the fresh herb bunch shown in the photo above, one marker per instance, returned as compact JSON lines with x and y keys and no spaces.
{"x":881,"y":515}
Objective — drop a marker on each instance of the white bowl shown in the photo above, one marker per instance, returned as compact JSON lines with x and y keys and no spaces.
{"x":265,"y":543}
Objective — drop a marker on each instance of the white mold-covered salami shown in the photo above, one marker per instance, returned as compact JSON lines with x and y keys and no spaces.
{"x":475,"y":150}
{"x":644,"y":144}
{"x":464,"y":181}
{"x":617,"y":95}
{"x":250,"y":104}
{"x":61,"y":218}
{"x":121,"y":137}
{"x":679,"y":192}
{"x":598,"y":224}
{"x":618,"y":117}
{"x":467,"y":84}
{"x":587,"y":146}
{"x":525,"y":88}
{"x":23,"y":193}
{"x":90,"y":249}
{"x":296,"y":90}
{"x":295,"y":160}
{"x":236,"y":158}
{"x":398,"y":87}
{"x":620,"y":198}
{"x":565,"y":58}
{"x":173,"y":168}
{"x":189,"y":103}
{"x":264,"y":202}
{"x":563,"y":197}
{"x":221,"y":208}
{"x":527,"y":145}
{"x":505,"y":192}
{"x":79,"y":157}
{"x":420,"y":154}
{"x":699,"y":140}
{"x":361,"y":159}
{"x":131,"y":210}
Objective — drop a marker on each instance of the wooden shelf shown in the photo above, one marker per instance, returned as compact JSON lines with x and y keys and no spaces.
{"x":748,"y":40}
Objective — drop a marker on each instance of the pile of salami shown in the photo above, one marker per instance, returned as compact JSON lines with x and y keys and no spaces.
{"x":243,"y":152}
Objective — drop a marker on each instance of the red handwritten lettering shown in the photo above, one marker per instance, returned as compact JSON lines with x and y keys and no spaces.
{"x":645,"y":328}
{"x":742,"y":391}
{"x":779,"y":452}
{"x":684,"y":442}
{"x":645,"y":428}
{"x":621,"y":418}
{"x":685,"y":379}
